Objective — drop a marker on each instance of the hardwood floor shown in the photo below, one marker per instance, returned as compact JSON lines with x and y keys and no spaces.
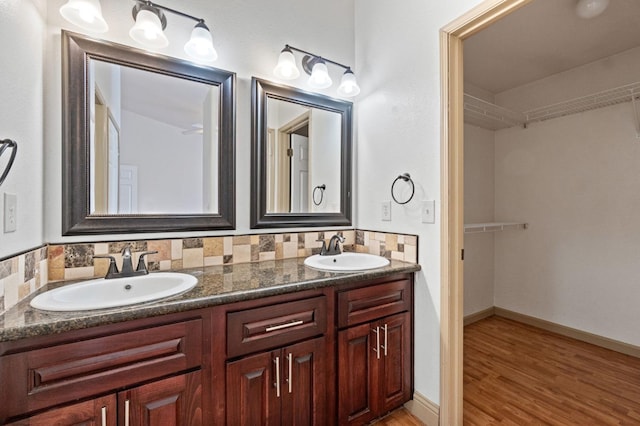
{"x":515,"y":374}
{"x":399,"y":417}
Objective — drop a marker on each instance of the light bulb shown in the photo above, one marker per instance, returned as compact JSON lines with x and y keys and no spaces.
{"x":148,"y":28}
{"x":348,"y":85}
{"x":588,"y":9}
{"x":200,"y":45}
{"x":319,"y":78}
{"x":286,"y":68}
{"x":86,"y":14}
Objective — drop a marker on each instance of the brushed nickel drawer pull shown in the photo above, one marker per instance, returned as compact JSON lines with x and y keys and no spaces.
{"x":385,"y":339}
{"x":377,"y":348}
{"x":285,"y":325}
{"x":104,"y":416}
{"x":290,"y":379}
{"x":126,"y":413}
{"x":277,"y":383}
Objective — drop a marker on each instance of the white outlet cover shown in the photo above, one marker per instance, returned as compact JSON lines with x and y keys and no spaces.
{"x":429,"y":211}
{"x":385,"y":211}
{"x":10,"y":212}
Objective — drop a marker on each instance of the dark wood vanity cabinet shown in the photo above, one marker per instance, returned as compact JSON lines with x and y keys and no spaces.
{"x":374,"y":350}
{"x":284,"y":385}
{"x":146,"y":372}
{"x":336,"y":355}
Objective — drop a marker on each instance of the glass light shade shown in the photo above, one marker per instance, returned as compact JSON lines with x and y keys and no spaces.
{"x":348,"y":85}
{"x":319,"y":78}
{"x":200,"y":45}
{"x":588,"y":9}
{"x":286,"y":68}
{"x":86,"y":14}
{"x":148,"y":30}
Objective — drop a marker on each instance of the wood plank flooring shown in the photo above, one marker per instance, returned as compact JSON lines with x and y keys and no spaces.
{"x":399,"y":417}
{"x":515,"y":374}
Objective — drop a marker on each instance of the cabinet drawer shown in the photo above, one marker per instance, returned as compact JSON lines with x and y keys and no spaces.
{"x":376,"y":301}
{"x":57,"y":374}
{"x":258,"y":329}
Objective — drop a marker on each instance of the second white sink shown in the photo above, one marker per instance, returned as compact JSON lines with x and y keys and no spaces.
{"x":102,"y":293}
{"x":346,"y":262}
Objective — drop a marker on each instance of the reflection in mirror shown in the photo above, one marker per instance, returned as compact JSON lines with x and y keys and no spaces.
{"x":132,"y":118}
{"x":303,"y":149}
{"x":301,"y":164}
{"x":148,"y":141}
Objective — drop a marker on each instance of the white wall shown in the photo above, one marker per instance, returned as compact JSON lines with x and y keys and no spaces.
{"x":248,"y":36}
{"x":324,"y":151}
{"x":22,"y":31}
{"x":478,"y":208}
{"x":398,"y":130}
{"x":576,"y":181}
{"x":171,"y":183}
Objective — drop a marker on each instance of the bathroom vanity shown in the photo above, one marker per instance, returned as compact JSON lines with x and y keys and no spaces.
{"x":259,"y":343}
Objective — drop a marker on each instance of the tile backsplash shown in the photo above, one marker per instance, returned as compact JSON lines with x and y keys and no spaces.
{"x":24,"y":274}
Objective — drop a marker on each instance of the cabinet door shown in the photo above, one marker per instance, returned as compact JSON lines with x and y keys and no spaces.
{"x":357,"y":378}
{"x":304,"y":386}
{"x":395,"y":365}
{"x":252,"y":393}
{"x":96,"y":412}
{"x":176,"y":401}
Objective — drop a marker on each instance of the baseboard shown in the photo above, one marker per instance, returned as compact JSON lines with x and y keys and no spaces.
{"x":426,"y":411}
{"x":584,"y":336}
{"x":486,"y":313}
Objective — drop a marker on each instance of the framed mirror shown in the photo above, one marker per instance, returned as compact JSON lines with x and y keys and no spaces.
{"x":301,"y":158}
{"x":148,"y":141}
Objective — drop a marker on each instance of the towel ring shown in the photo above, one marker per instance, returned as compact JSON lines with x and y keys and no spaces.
{"x":406,"y":177}
{"x":321,"y":188}
{"x":5,"y":144}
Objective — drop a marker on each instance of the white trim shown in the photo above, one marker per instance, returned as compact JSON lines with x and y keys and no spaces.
{"x":426,"y":411}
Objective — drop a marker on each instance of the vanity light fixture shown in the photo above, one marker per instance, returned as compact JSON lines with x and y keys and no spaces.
{"x":148,"y":29}
{"x":588,"y":9}
{"x":316,"y":67}
{"x":86,"y":14}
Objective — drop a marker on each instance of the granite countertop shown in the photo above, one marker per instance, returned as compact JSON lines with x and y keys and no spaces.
{"x":217,"y":285}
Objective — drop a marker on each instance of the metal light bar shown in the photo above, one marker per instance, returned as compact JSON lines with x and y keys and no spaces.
{"x":168,"y":9}
{"x":317,"y":56}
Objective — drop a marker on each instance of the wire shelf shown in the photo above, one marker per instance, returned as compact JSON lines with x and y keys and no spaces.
{"x":475,"y":228}
{"x":494,"y":117}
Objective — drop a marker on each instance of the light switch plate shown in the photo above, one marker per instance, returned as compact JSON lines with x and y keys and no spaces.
{"x":429,"y":211}
{"x":385,"y":211}
{"x":10,"y":212}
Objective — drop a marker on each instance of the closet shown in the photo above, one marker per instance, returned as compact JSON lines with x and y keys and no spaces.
{"x":552,"y":185}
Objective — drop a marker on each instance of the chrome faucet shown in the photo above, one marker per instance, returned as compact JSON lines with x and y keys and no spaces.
{"x":127,"y":264}
{"x":334,"y":246}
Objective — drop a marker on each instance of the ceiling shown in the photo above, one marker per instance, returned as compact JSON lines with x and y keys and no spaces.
{"x":544,"y":38}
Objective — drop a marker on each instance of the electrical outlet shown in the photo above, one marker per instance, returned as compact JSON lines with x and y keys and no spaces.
{"x":10,"y":212}
{"x":429,"y":211}
{"x":385,"y":211}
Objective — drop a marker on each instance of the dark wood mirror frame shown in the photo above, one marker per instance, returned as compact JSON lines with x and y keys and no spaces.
{"x":77,"y":50}
{"x":260,"y":218}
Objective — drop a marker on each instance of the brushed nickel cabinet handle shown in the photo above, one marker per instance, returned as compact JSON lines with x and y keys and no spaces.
{"x":290,"y":379}
{"x":377,"y":348}
{"x":385,"y":339}
{"x":277,"y":383}
{"x":285,"y":325}
{"x":104,"y":416}
{"x":126,"y":413}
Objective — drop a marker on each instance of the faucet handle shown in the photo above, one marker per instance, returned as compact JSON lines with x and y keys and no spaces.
{"x":141,"y":265}
{"x":113,"y":268}
{"x":323,"y":249}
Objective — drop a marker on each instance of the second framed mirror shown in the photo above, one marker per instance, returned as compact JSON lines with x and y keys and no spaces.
{"x":301,"y":158}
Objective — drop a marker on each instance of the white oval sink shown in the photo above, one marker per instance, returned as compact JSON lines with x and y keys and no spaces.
{"x":346,"y":262}
{"x":101,"y":293}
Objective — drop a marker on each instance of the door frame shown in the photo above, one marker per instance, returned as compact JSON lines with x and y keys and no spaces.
{"x":452,"y":198}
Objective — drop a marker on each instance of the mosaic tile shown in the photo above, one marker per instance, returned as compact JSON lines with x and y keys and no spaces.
{"x":191,"y":243}
{"x":136,"y":246}
{"x":29,"y":266}
{"x":176,"y":249}
{"x":192,"y":258}
{"x":176,"y":264}
{"x":78,"y":255}
{"x":213,"y":246}
{"x":163,"y":247}
{"x":242,"y":240}
{"x":5,"y":268}
{"x":267,"y":243}
{"x":227,"y":259}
